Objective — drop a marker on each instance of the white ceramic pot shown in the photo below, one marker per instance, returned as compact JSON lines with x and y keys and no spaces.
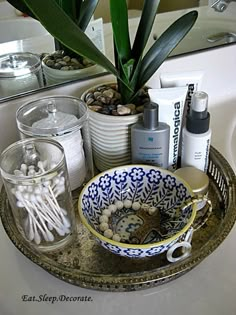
{"x":54,"y":76}
{"x":110,"y":136}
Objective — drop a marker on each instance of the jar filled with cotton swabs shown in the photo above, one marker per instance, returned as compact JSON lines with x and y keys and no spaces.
{"x":35,"y":178}
{"x":64,"y":119}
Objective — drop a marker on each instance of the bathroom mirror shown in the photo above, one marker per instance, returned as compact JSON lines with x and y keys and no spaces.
{"x":211,"y":29}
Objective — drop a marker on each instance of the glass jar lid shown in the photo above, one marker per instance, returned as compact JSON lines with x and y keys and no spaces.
{"x":18,"y":64}
{"x":51,"y":116}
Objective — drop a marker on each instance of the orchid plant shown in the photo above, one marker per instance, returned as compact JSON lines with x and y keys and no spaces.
{"x":133,"y":66}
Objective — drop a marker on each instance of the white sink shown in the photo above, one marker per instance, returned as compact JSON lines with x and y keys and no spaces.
{"x":20,"y":28}
{"x":223,"y":122}
{"x":209,"y":23}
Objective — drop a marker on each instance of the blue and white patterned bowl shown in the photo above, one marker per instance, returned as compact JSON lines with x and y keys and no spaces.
{"x":144,"y":184}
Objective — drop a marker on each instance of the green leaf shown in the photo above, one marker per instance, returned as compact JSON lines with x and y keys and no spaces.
{"x":87,"y":9}
{"x":145,"y":26}
{"x":69,"y":7}
{"x":20,"y":5}
{"x":128,"y":68}
{"x":164,"y":45}
{"x":119,"y":18}
{"x":60,"y":26}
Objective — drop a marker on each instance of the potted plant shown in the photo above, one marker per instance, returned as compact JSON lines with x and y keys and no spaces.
{"x":133,"y":67}
{"x":64,"y":64}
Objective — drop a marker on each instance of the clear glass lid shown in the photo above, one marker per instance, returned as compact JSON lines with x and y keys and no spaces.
{"x":18,"y":64}
{"x":51,"y":116}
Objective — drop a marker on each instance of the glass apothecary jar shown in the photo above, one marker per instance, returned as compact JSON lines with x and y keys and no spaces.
{"x":20,"y":72}
{"x":64,"y":119}
{"x":35,"y":178}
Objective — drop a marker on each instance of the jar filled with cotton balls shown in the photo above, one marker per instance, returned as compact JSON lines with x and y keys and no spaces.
{"x":64,"y":119}
{"x":35,"y":178}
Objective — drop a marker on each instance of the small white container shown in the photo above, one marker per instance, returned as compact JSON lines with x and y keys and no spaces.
{"x":64,"y":119}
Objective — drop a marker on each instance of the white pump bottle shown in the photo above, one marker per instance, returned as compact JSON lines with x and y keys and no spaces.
{"x":196,"y":135}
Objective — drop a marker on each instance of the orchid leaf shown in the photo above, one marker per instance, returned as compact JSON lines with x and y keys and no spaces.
{"x":128,"y":68}
{"x":119,"y":18}
{"x":60,"y":26}
{"x":69,"y":7}
{"x":164,"y":45}
{"x":20,"y":5}
{"x":86,"y":11}
{"x":145,"y":27}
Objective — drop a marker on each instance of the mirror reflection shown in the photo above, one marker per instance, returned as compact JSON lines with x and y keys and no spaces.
{"x":216,"y":25}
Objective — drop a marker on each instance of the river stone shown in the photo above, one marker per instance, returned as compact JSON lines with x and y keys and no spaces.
{"x":123,"y":110}
{"x":66,"y":62}
{"x":109,"y":100}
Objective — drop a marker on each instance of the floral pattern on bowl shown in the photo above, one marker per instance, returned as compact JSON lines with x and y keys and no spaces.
{"x":144,"y":184}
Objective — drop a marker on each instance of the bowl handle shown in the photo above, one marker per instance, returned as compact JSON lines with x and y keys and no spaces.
{"x":198,"y":222}
{"x":200,"y":218}
{"x":185,"y":246}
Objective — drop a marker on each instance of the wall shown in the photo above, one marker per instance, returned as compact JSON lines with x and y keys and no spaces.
{"x":167,"y":5}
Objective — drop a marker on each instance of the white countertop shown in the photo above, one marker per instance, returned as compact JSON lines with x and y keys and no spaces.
{"x":209,"y":289}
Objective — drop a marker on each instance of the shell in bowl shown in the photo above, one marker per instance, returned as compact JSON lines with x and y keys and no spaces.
{"x":140,"y":185}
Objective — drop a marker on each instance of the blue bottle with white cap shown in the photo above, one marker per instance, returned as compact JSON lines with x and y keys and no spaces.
{"x":196,"y":136}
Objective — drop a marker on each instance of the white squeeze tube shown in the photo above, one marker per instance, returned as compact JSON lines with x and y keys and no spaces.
{"x":191,"y":79}
{"x":171,"y":103}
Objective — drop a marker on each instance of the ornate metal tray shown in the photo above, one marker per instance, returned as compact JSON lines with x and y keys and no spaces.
{"x":85,"y":263}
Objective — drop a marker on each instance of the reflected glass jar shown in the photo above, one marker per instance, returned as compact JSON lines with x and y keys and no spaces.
{"x":20,"y":72}
{"x":35,"y":177}
{"x":64,"y":119}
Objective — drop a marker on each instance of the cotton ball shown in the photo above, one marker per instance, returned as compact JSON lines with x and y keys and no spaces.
{"x":113,"y":208}
{"x":108,"y":233}
{"x":136,"y":206}
{"x":116,"y":237}
{"x":127,"y":204}
{"x":119,"y":204}
{"x":106,"y":212}
{"x":103,"y":226}
{"x":152,"y":210}
{"x":103,"y":218}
